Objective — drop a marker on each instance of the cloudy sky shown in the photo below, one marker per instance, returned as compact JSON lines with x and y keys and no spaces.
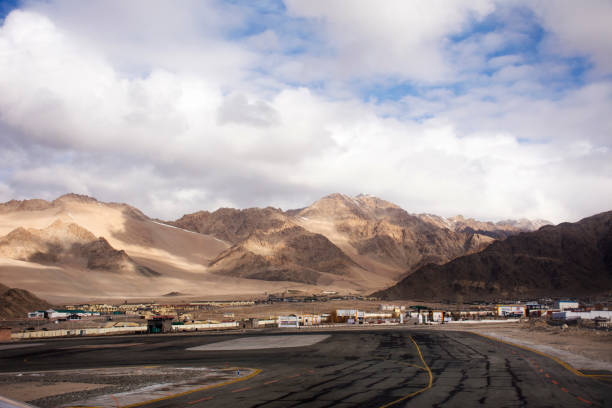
{"x":491,"y":109}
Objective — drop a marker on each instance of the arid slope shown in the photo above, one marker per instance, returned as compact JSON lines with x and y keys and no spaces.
{"x":76,"y":247}
{"x":571,"y":259}
{"x":16,"y":303}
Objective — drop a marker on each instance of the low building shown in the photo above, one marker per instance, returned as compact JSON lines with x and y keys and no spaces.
{"x":309,"y":319}
{"x":351,"y":316}
{"x":67,"y":313}
{"x":38,"y":314}
{"x":591,"y":315}
{"x":250,"y":323}
{"x":160,"y":324}
{"x":391,"y":308}
{"x":511,"y":310}
{"x":431,"y":316}
{"x":534,"y":309}
{"x":566,"y":304}
{"x":288,"y":321}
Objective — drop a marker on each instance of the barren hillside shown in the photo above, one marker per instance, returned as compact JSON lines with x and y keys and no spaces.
{"x":76,"y":247}
{"x":16,"y":303}
{"x":571,"y":259}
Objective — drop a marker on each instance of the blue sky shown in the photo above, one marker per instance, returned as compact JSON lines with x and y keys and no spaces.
{"x":492,"y":109}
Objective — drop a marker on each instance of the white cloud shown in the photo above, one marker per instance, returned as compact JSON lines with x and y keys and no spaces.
{"x":405,"y":39}
{"x":582,"y":29}
{"x":180,"y":118}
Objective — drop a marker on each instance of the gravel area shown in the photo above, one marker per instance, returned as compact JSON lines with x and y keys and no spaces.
{"x":62,"y":386}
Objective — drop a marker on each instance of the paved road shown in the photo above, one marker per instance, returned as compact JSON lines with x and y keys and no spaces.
{"x":349,"y":369}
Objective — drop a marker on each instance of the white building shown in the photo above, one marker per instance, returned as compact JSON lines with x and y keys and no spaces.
{"x":288,"y":321}
{"x":566,"y":304}
{"x":606,"y":314}
{"x":511,"y":310}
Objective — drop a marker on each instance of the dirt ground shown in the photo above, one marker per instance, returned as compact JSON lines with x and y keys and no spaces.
{"x":265,"y":311}
{"x":106,"y":387}
{"x":583,"y":348}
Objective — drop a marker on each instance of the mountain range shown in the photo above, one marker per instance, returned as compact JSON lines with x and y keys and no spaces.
{"x":567,"y":260}
{"x":76,"y":247}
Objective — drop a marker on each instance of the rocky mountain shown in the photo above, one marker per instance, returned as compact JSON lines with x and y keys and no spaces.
{"x":68,"y":244}
{"x":68,"y":248}
{"x":364,"y":238}
{"x":268,"y":245}
{"x":232,"y":225}
{"x":387,"y":234}
{"x":75,"y":248}
{"x":16,"y":303}
{"x":287,"y":253}
{"x":570,"y":259}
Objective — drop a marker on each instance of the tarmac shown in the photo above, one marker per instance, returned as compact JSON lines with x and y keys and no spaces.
{"x":395,"y":367}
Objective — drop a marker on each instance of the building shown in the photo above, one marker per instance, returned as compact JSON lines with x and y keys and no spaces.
{"x":431,"y":316}
{"x":391,"y":308}
{"x":250,"y":323}
{"x":66,"y":313}
{"x":593,"y":314}
{"x":38,"y":314}
{"x":566,"y":304}
{"x":511,"y":310}
{"x":534,"y":309}
{"x":350,"y":316}
{"x":160,"y":324}
{"x":288,"y":321}
{"x":309,"y":319}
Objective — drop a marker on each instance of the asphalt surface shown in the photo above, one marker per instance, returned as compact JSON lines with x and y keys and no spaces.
{"x":375,"y":368}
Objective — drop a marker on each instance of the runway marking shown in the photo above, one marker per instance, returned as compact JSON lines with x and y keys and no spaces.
{"x":426,"y":367}
{"x":584,"y":400}
{"x":412,"y":365}
{"x":208,"y":387}
{"x":200,"y":400}
{"x":242,"y":389}
{"x":555,"y":359}
{"x":293,"y":376}
{"x":271,"y":382}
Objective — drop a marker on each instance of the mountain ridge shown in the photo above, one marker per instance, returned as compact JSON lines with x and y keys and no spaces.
{"x":347,"y":244}
{"x":570,"y":259}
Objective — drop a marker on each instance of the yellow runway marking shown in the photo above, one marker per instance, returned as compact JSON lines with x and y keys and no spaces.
{"x":426,"y":368}
{"x":139,"y":404}
{"x":200,"y":400}
{"x":555,"y":359}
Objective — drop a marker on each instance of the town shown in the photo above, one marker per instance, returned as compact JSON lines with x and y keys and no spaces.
{"x":286,"y":311}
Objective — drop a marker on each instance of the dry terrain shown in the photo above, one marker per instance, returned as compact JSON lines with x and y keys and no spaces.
{"x":583,"y":348}
{"x":567,"y":260}
{"x":77,"y":249}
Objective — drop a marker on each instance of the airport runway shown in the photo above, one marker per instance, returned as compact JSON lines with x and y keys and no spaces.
{"x":375,"y":368}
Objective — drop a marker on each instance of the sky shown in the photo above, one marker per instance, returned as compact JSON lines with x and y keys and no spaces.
{"x":490,"y":109}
